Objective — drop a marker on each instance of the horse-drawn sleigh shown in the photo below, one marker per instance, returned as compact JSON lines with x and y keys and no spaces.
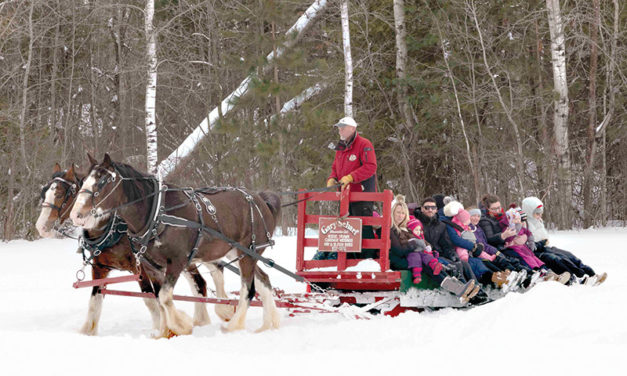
{"x":134,"y":222}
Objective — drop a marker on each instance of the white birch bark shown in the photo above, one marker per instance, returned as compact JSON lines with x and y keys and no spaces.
{"x":560,"y":115}
{"x":151,"y":89}
{"x":189,"y":144}
{"x":348,"y":61}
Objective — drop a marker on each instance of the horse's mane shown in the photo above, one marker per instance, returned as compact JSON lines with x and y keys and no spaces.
{"x":139,"y":184}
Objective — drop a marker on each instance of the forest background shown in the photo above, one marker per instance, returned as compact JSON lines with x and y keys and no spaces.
{"x":472,"y":106}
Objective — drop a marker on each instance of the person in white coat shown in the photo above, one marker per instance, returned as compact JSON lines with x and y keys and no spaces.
{"x":552,"y":256}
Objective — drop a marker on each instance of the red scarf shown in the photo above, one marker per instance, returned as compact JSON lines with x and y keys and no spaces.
{"x":497,"y":216}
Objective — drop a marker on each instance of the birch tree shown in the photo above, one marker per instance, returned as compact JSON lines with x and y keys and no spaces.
{"x":348,"y":61}
{"x":189,"y":144}
{"x":151,"y":89}
{"x":560,"y":115}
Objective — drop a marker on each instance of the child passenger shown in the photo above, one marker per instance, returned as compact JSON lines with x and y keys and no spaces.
{"x":523,"y":244}
{"x":410,"y":252}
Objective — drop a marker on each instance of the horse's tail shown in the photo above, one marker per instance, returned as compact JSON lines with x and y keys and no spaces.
{"x":273,"y":201}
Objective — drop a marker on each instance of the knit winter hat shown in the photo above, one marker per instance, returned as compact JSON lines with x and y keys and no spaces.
{"x":474,"y":211}
{"x":452,"y":208}
{"x":448,"y":199}
{"x":463,"y":216}
{"x":532,"y":205}
{"x":413,"y":223}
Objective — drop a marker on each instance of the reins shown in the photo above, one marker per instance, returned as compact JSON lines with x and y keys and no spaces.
{"x":319,"y":191}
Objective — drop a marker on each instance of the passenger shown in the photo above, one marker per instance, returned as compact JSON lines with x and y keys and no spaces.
{"x":500,"y":260}
{"x":489,"y":222}
{"x":523,"y":244}
{"x":457,"y":222}
{"x":355,"y":164}
{"x":435,"y":234}
{"x":557,"y":259}
{"x":410,"y":252}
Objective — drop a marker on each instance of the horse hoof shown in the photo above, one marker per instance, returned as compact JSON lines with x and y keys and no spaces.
{"x":164,"y":334}
{"x":202,"y":322}
{"x":89,"y":329}
{"x":225,"y":312}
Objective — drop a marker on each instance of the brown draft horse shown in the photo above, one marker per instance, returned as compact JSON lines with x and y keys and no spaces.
{"x":115,"y":187}
{"x":58,"y":197}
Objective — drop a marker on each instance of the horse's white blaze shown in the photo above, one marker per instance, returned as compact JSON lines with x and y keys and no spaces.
{"x":87,"y":221}
{"x":201,"y":316}
{"x":176,"y":321}
{"x":43,"y":224}
{"x":90,"y":327}
{"x":271,"y":316}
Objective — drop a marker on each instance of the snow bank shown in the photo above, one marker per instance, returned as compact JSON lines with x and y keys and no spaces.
{"x":551,"y":329}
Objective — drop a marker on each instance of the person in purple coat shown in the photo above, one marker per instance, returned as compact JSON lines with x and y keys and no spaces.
{"x":524,"y":244}
{"x":501,"y":260}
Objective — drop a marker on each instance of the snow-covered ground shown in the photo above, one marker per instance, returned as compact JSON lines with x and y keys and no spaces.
{"x":552,"y":329}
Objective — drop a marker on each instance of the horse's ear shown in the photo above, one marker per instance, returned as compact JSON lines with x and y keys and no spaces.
{"x":70,"y":173}
{"x":107,"y":160}
{"x":56,"y":168}
{"x":92,"y":160}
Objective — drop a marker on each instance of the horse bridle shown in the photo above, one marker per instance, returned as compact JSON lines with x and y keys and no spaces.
{"x":104,"y":180}
{"x":70,"y":191}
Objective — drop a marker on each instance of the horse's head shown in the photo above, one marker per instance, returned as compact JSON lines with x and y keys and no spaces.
{"x":99,"y":193}
{"x":58,"y":195}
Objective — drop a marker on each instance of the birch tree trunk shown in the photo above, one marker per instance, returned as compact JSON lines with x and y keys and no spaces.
{"x":560,"y":115}
{"x":348,"y":61}
{"x":189,"y":144}
{"x":591,"y":149}
{"x":25,"y":86}
{"x":151,"y":90}
{"x":543,"y":137}
{"x":401,"y":92}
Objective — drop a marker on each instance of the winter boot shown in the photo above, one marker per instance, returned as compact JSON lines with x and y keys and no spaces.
{"x":474,"y":291}
{"x":548,"y":276}
{"x":499,"y":279}
{"x":417,"y":274}
{"x":600,"y":278}
{"x":435,"y":265}
{"x":563,"y":278}
{"x":460,"y":289}
{"x":513,"y":280}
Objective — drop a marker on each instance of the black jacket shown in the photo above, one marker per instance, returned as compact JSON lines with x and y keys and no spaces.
{"x":492,"y":230}
{"x":436,"y":235}
{"x":399,"y":249}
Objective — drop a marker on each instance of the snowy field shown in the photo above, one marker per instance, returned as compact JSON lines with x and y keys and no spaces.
{"x":552,"y":329}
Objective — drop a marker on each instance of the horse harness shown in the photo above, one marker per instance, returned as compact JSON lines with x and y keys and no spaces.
{"x":70,"y":191}
{"x":113,"y":232}
{"x":159,"y":217}
{"x":196,"y":197}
